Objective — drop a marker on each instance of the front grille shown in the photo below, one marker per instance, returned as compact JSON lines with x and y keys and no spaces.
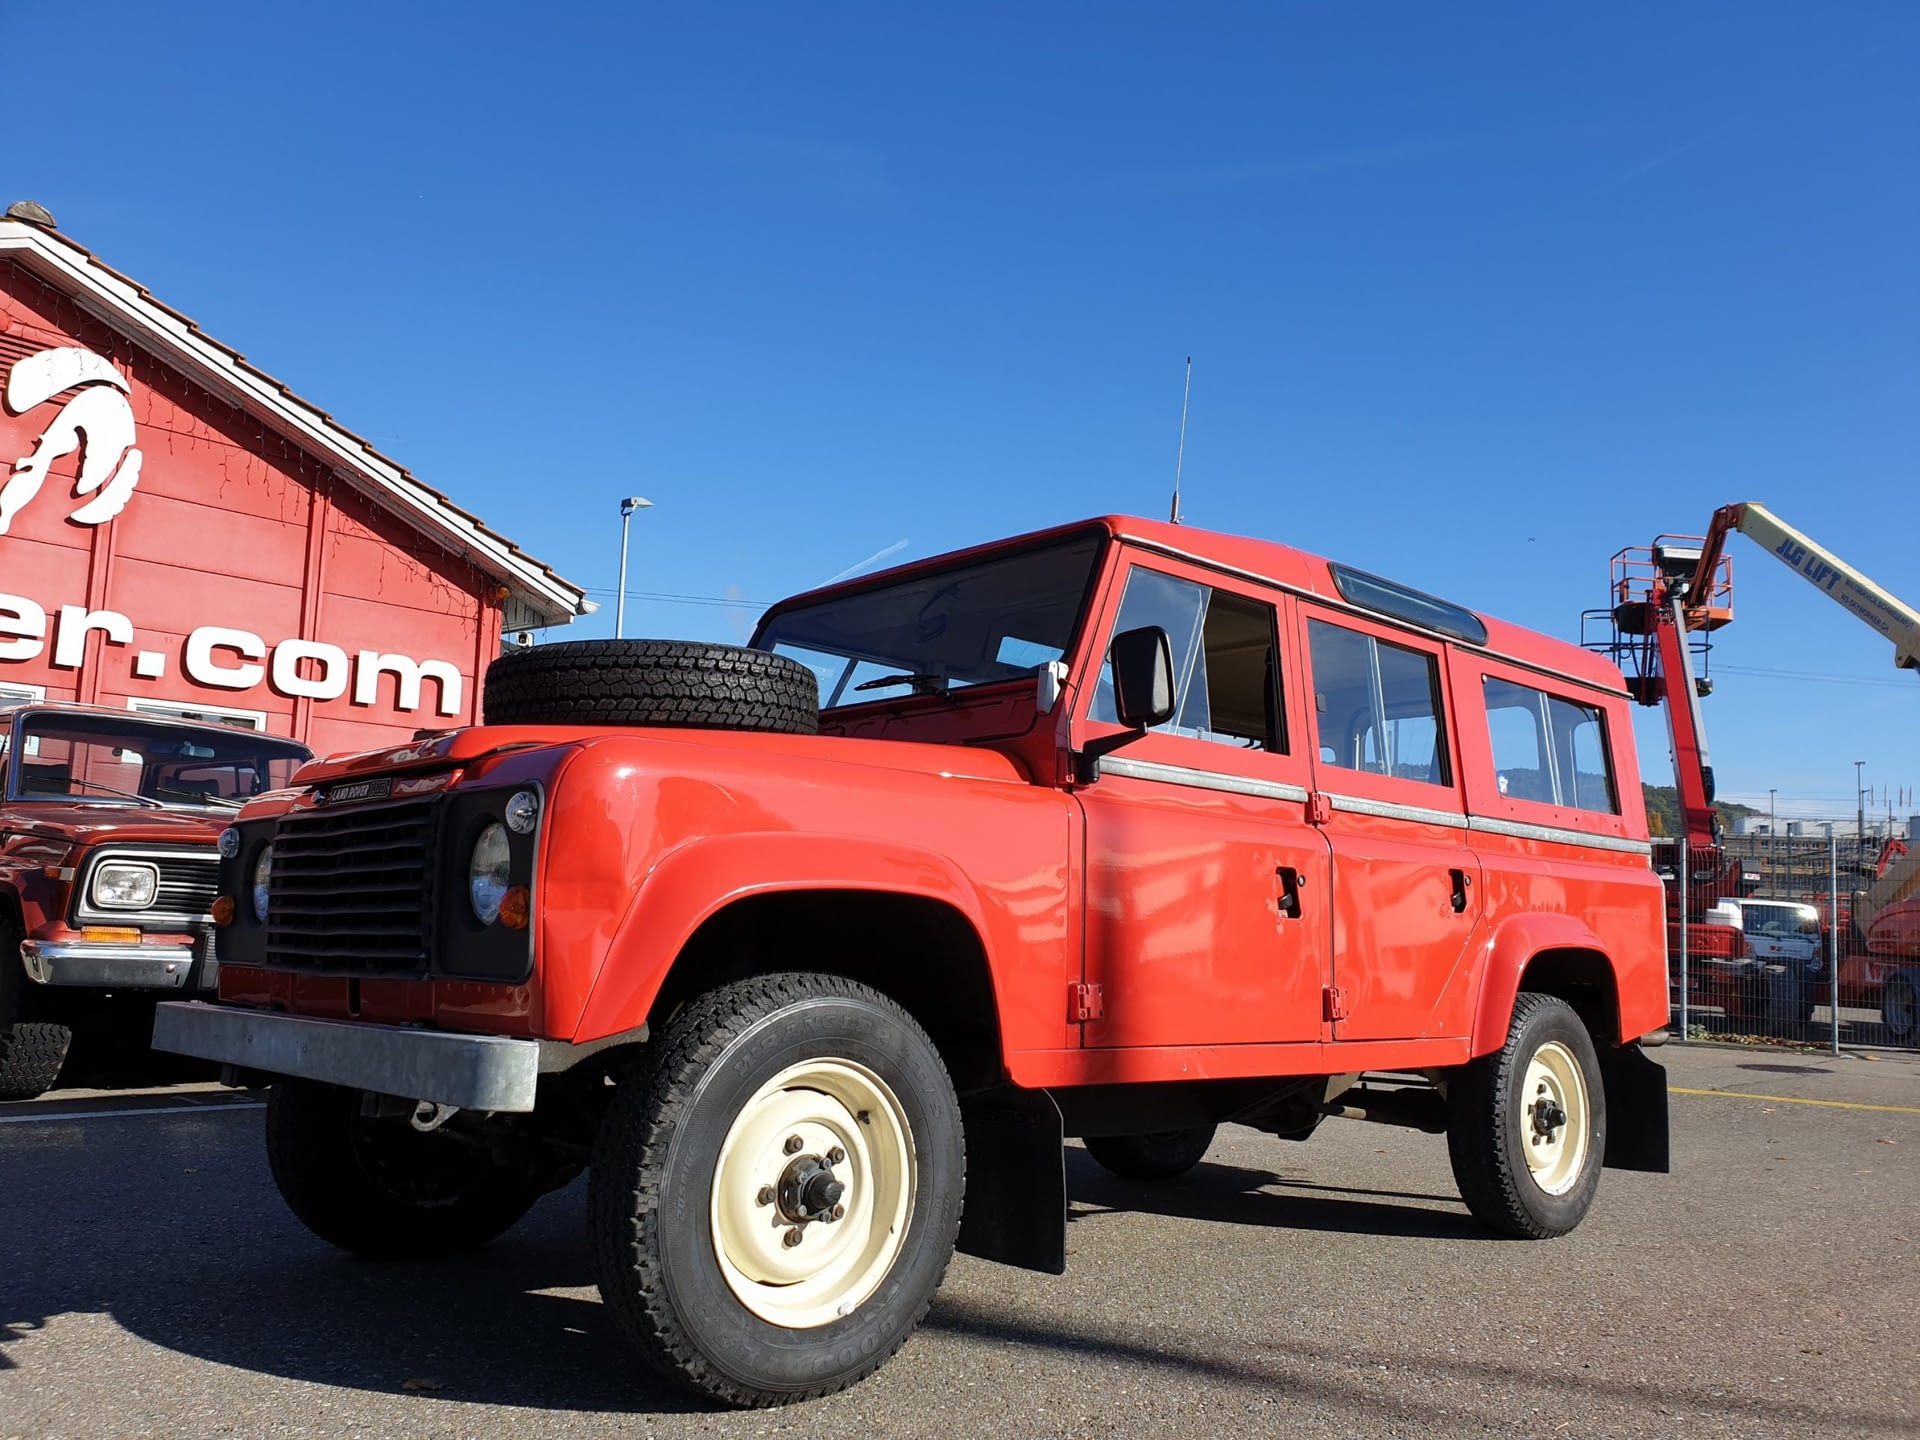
{"x":352,"y":889}
{"x":189,"y":879}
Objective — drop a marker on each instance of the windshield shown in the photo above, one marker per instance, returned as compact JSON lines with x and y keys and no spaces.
{"x":1781,"y":920}
{"x":104,"y":758}
{"x":931,"y":633}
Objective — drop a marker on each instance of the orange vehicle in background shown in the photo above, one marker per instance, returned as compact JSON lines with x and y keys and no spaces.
{"x":813,"y":952}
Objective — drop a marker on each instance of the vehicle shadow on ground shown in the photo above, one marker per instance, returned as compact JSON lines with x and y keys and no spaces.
{"x":1233,"y":1195}
{"x":492,"y":1327}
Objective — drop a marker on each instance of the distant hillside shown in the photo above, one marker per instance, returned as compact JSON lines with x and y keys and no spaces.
{"x":1663,"y":810}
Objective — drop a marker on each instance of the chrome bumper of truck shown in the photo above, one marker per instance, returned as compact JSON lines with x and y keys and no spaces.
{"x":474,"y":1072}
{"x":111,"y":967}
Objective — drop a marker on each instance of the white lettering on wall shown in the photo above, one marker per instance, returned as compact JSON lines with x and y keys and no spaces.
{"x":407,"y":674}
{"x":99,"y":419}
{"x":76,"y":623}
{"x":329,"y":684}
{"x":200,"y":662}
{"x":24,"y":624}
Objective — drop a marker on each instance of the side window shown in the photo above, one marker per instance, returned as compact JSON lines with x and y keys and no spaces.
{"x":1549,"y":750}
{"x":1225,"y":680}
{"x":1378,"y":706}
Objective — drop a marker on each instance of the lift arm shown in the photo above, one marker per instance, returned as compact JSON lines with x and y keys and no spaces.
{"x":1819,"y":567}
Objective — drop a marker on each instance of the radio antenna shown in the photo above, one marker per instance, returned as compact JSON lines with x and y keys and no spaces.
{"x":1180,"y":455}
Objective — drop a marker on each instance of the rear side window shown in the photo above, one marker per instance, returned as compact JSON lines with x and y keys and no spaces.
{"x":1549,"y":749}
{"x":1378,"y":706}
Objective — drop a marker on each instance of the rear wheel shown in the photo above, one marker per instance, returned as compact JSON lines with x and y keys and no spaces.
{"x":1527,"y":1125}
{"x":31,"y":1051}
{"x":382,"y":1189}
{"x":1157,"y":1155}
{"x":1900,"y":1007}
{"x":775,"y":1197}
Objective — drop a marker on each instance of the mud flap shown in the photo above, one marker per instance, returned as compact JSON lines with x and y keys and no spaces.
{"x":1636,"y":1110}
{"x":1016,"y":1210}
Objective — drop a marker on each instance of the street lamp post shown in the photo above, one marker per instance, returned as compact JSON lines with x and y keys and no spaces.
{"x":627,"y":507}
{"x":1773,"y":842}
{"x":1860,"y":809}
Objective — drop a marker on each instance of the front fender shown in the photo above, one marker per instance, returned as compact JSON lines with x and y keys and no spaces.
{"x":1517,"y":940}
{"x":697,"y":880}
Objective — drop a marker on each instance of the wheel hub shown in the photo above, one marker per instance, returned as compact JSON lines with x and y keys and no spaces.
{"x":809,"y":1190}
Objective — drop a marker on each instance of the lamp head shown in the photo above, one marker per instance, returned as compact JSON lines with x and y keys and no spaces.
{"x":633,"y":503}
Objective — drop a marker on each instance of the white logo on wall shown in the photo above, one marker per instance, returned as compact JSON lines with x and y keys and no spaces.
{"x":98,"y":418}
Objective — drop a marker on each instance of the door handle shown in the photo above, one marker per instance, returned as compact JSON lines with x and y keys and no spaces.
{"x":1291,"y":884}
{"x":1461,"y":880}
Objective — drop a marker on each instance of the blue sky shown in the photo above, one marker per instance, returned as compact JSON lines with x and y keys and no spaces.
{"x":1476,"y":295}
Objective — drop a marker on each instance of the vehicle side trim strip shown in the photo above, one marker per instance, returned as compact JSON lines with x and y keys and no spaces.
{"x":1559,"y":835}
{"x":1201,"y":779}
{"x":1452,"y":819}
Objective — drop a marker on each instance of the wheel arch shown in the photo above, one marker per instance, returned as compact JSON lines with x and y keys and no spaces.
{"x":1550,"y":955}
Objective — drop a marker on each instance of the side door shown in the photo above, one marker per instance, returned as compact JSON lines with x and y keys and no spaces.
{"x":1206,"y":889}
{"x":1406,"y":885}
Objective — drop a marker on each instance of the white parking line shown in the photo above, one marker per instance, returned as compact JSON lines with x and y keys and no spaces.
{"x":143,"y":1110}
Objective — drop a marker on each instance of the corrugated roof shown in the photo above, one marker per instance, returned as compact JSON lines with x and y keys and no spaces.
{"x":127,"y":306}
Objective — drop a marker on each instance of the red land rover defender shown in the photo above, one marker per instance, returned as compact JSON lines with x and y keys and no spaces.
{"x":107,"y":870}
{"x":1122,"y":831}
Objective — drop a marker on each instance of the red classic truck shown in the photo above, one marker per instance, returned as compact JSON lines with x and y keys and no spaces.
{"x":107,"y":867}
{"x":813,"y":952}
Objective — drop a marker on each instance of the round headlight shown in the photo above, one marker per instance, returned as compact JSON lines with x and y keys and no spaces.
{"x":122,"y":886}
{"x":229,"y":843}
{"x":262,"y":872}
{"x":523,"y":812}
{"x":489,"y":873}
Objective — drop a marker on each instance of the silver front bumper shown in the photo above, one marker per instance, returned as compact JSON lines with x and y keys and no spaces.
{"x":474,"y":1072}
{"x":109,"y":967}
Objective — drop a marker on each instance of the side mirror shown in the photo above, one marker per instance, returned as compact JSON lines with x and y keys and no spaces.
{"x":1142,"y":677}
{"x":1142,"y":663}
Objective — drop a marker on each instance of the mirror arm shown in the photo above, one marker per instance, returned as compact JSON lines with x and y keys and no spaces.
{"x":1086,"y":760}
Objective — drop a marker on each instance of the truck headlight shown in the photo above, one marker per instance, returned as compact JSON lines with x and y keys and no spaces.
{"x":489,"y":873}
{"x":262,"y":873}
{"x":125,"y":885}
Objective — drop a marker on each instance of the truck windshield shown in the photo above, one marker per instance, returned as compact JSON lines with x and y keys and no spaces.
{"x":941,"y":630}
{"x":60,"y":755}
{"x":1781,"y":920}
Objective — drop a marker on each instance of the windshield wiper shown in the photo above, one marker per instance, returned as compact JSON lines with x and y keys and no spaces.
{"x":146,"y":800}
{"x":921,"y":684}
{"x":199,"y":797}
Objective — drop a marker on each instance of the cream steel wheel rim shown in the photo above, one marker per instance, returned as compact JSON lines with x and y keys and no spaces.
{"x":785,"y":1254}
{"x":1556,"y":1123}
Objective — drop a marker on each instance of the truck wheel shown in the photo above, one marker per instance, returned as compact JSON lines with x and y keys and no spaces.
{"x":1898,"y":1006}
{"x":1157,"y":1155}
{"x":31,"y":1052}
{"x":653,"y":682}
{"x":774,"y":1197}
{"x":380,"y":1188}
{"x":1527,"y":1125}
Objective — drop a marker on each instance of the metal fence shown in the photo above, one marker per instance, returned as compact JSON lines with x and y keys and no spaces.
{"x":1799,"y":907}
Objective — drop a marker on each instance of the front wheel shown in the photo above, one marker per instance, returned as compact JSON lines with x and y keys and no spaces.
{"x":1527,"y":1125}
{"x":381,"y":1189}
{"x":31,"y":1051}
{"x":775,"y":1196}
{"x":1157,"y":1155}
{"x":1900,"y":1007}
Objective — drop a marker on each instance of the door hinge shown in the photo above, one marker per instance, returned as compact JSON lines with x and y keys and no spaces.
{"x":1085,"y":1002}
{"x":1319,"y":808}
{"x":1333,"y":1003}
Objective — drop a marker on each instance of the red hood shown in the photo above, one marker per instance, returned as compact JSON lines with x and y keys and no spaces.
{"x":93,"y":824}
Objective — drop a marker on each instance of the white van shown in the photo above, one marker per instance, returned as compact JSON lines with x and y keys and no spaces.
{"x":1778,"y":931}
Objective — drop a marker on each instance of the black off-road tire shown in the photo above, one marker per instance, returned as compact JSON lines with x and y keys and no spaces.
{"x":381,"y":1189}
{"x":760,"y":1051}
{"x":31,"y":1051}
{"x":1158,"y":1155}
{"x":1491,"y":1131}
{"x":676,"y":683}
{"x":1900,"y":1007}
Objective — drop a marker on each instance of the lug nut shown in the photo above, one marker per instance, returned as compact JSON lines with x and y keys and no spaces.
{"x":839,"y":1212}
{"x":794,"y":1142}
{"x":791,"y":1238}
{"x":765,"y":1197}
{"x":836,"y":1156}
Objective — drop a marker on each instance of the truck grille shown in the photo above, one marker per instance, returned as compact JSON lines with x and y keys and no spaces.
{"x":352,"y":889}
{"x":189,"y":879}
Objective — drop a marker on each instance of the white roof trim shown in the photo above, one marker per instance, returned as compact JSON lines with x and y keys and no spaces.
{"x":121,"y":305}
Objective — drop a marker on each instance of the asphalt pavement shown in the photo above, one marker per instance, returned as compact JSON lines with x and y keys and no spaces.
{"x":152,"y":1284}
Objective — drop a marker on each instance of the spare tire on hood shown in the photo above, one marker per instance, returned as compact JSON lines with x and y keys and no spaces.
{"x":681,"y":683}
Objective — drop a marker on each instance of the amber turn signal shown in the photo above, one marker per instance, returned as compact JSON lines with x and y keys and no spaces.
{"x":223,"y":910}
{"x":513,"y":908}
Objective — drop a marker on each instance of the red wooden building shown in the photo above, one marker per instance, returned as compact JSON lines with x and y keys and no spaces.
{"x":180,"y":533}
